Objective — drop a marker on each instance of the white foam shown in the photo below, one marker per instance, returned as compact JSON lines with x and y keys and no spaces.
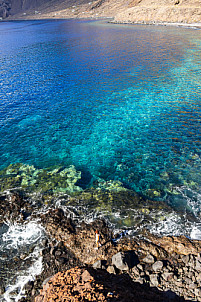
{"x":196,"y":232}
{"x":192,"y":197}
{"x":22,"y":234}
{"x":16,"y":237}
{"x":172,"y":225}
{"x":16,"y":292}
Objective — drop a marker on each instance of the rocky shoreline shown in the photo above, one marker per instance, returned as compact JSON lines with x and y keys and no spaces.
{"x":163,"y":269}
{"x":141,"y":268}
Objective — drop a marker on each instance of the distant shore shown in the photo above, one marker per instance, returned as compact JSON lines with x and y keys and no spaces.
{"x":35,"y":17}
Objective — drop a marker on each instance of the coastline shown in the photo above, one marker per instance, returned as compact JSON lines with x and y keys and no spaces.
{"x":173,"y":24}
{"x":179,"y":264}
{"x":160,"y":268}
{"x":193,"y":26}
{"x":96,"y":17}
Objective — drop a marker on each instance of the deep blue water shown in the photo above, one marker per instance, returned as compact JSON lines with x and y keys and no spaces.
{"x":117,"y":101}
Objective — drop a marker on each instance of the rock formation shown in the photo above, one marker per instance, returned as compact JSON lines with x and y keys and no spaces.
{"x":159,"y":268}
{"x":172,"y":265}
{"x":129,"y":11}
{"x":87,"y":284}
{"x":5,"y":6}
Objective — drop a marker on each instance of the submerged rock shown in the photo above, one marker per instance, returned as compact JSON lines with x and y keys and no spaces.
{"x":61,"y":179}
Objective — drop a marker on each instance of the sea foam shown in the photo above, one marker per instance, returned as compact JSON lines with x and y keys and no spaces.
{"x":23,"y":239}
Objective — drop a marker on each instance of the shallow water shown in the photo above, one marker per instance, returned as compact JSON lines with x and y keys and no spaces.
{"x":118,"y":102}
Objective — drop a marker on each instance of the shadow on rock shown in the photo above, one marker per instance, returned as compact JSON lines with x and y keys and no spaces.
{"x":88,"y":284}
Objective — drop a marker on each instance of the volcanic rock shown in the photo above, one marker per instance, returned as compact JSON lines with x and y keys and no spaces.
{"x":124,"y":260}
{"x":85,"y":284}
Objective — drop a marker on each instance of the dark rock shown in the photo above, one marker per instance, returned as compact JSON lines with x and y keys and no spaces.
{"x":60,"y":260}
{"x":45,"y":242}
{"x":99,"y":264}
{"x":4,"y":9}
{"x":44,"y":251}
{"x":29,"y":285}
{"x":125,"y":260}
{"x":58,"y":253}
{"x":170,"y":296}
{"x":2,"y":289}
{"x":60,"y":245}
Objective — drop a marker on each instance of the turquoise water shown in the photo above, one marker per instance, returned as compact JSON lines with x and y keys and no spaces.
{"x":117,"y":102}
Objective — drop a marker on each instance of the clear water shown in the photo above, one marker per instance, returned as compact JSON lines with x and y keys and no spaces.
{"x":118,"y":102}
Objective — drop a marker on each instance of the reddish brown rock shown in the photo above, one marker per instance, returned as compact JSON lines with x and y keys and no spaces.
{"x":80,"y":239}
{"x":87,"y":284}
{"x":179,"y":245}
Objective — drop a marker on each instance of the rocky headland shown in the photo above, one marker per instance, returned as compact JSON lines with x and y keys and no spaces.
{"x":124,"y":268}
{"x":179,"y":12}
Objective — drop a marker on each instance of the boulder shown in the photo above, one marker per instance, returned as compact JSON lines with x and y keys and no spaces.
{"x":111,"y":269}
{"x":198,"y":266}
{"x":154,"y":279}
{"x":167,"y":276}
{"x":120,"y":261}
{"x":149,"y":259}
{"x":197,"y":292}
{"x":157,"y":266}
{"x":99,"y":264}
{"x":185,"y":258}
{"x":125,"y":260}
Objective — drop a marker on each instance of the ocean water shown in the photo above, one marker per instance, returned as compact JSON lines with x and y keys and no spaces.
{"x":119,"y":102}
